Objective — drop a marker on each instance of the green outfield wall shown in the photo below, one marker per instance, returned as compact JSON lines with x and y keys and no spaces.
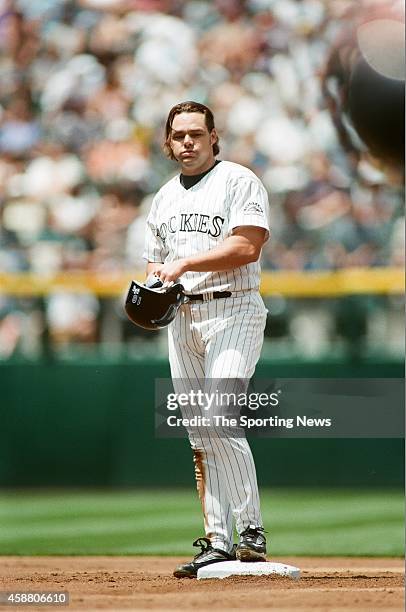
{"x":92,"y":424}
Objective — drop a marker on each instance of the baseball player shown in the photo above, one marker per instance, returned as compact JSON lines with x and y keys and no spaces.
{"x":206,"y":228}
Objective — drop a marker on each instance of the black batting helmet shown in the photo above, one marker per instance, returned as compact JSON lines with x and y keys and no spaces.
{"x":153,"y":308}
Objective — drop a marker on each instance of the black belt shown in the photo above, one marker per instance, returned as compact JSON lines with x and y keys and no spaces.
{"x":216,"y":295}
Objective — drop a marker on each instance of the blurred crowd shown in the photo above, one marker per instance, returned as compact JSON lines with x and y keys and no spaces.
{"x":85,"y":88}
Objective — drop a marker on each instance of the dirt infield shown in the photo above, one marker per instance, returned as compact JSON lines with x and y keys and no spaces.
{"x":146,"y":583}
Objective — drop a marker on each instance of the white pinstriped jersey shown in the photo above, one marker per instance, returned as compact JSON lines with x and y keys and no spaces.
{"x":184,"y":222}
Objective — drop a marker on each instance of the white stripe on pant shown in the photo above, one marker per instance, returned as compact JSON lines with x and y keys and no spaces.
{"x":219,"y":341}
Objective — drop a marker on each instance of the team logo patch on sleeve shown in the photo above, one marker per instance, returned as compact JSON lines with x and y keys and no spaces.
{"x":253,"y":207}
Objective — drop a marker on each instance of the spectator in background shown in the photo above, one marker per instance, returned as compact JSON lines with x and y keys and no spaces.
{"x":19,"y":131}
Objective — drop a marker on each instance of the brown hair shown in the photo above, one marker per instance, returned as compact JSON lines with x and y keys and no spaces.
{"x":188,"y":107}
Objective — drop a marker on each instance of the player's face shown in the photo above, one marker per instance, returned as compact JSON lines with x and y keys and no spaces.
{"x":191,"y":143}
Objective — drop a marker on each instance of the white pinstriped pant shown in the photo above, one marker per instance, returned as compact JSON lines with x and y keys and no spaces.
{"x":218,"y":340}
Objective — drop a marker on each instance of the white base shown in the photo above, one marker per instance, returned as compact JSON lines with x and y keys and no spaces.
{"x":239,"y":568}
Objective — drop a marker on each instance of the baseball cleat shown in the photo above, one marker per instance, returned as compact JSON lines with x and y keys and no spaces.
{"x":252,"y":545}
{"x":206,"y":556}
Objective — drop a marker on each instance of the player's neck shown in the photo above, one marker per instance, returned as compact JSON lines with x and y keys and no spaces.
{"x":201,"y":170}
{"x":188,"y":181}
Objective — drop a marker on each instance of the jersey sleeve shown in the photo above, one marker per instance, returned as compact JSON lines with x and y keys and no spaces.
{"x":249,"y":204}
{"x":154,"y":248}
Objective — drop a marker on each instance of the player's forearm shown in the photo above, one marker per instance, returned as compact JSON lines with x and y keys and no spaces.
{"x":243,"y":247}
{"x":233,"y":253}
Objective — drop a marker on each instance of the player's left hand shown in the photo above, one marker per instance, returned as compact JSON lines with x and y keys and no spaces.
{"x":171,"y":271}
